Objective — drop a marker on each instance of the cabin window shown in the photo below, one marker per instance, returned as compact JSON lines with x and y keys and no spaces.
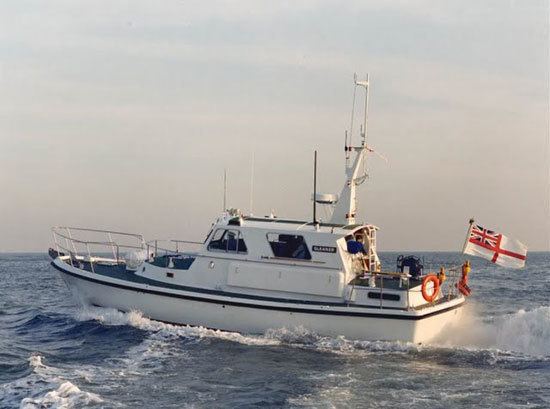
{"x":230,"y":241}
{"x":288,"y":246}
{"x":385,"y":296}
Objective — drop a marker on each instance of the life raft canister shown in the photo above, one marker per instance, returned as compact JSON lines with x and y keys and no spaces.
{"x":431,"y":278}
{"x":462,"y":285}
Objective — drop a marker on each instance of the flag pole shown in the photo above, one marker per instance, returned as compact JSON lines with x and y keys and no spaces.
{"x":468,"y":233}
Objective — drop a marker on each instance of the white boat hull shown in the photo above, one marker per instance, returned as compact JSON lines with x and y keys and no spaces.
{"x":228,"y":313}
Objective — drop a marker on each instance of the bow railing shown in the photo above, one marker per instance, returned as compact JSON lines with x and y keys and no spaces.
{"x":93,"y":245}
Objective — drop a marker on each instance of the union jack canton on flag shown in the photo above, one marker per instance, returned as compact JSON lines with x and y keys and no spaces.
{"x":496,"y":247}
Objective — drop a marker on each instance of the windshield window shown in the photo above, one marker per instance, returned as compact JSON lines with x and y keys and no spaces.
{"x":230,"y":241}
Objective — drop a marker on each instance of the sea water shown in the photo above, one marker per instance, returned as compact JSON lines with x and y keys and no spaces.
{"x":54,"y":354}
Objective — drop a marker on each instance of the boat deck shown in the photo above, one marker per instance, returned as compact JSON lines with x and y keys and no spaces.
{"x":389,"y":283}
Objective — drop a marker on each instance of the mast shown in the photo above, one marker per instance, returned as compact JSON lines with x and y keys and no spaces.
{"x":345,"y":210}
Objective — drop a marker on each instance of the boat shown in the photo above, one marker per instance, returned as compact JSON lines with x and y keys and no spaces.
{"x":253,"y":274}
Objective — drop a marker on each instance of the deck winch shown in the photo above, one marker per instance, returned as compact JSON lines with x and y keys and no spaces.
{"x":410,"y":264}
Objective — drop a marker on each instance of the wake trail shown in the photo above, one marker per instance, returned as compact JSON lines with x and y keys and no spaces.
{"x":523,"y":333}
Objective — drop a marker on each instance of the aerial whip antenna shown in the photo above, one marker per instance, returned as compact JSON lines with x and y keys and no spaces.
{"x":352,"y":109}
{"x":315,"y":188}
{"x":252,"y":183}
{"x":224,"y":190}
{"x":364,"y":83}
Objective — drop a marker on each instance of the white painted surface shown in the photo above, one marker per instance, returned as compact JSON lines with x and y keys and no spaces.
{"x":286,"y":279}
{"x":247,"y":319}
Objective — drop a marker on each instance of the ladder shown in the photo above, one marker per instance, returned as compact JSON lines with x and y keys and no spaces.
{"x":373,"y":262}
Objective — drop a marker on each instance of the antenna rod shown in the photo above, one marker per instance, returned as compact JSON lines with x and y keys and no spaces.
{"x":315,"y":188}
{"x":252,"y":183}
{"x":347,"y":147}
{"x":365,"y":119}
{"x":224,"y":190}
{"x":346,"y":142}
{"x":352,"y":109}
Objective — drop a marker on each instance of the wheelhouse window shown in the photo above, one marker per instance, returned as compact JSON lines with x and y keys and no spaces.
{"x":288,"y":246}
{"x":230,"y":241}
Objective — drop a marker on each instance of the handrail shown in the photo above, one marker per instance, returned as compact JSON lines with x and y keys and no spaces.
{"x":155,"y":244}
{"x":447,"y":289}
{"x":65,"y":233}
{"x":104,"y":243}
{"x":139,"y":236}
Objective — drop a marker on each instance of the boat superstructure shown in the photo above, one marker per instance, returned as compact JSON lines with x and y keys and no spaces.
{"x":252,"y":274}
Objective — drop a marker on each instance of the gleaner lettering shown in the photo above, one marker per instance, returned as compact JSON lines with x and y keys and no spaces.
{"x":324,"y":249}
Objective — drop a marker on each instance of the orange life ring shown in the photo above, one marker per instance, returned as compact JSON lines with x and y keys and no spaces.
{"x":433,"y":279}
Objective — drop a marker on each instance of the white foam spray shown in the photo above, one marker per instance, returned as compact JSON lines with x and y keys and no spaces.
{"x":524,"y":332}
{"x":67,"y":395}
{"x":108,"y":316}
{"x":45,"y":387}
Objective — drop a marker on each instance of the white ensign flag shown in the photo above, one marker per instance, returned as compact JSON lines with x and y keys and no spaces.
{"x":496,"y":247}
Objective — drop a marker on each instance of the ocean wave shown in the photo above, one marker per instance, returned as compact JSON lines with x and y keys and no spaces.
{"x":67,"y":395}
{"x":302,"y":337}
{"x":523,"y":333}
{"x":45,"y":387}
{"x":516,"y":341}
{"x":521,"y":339}
{"x":434,"y":353}
{"x":108,"y":316}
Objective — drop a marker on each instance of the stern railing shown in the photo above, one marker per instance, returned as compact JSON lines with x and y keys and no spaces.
{"x":448,"y":287}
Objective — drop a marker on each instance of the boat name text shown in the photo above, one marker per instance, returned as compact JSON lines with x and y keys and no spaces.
{"x":324,"y":249}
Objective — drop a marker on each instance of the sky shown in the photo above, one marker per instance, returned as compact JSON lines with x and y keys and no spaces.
{"x":123,"y":115}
